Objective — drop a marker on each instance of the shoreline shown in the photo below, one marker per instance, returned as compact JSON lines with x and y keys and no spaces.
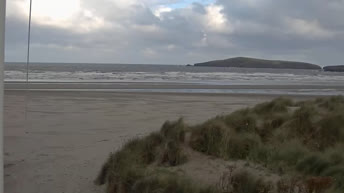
{"x":78,"y":93}
{"x":180,"y":88}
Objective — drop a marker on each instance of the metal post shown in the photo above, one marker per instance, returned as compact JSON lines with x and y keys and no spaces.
{"x":2,"y":63}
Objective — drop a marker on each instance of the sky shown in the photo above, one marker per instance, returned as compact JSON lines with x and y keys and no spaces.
{"x":176,"y":31}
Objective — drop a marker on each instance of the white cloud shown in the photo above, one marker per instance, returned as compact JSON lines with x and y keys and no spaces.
{"x":216,"y":21}
{"x":171,"y":47}
{"x":66,"y":14}
{"x":160,"y":10}
{"x":146,"y":28}
{"x":149,"y":53}
{"x":307,"y":29}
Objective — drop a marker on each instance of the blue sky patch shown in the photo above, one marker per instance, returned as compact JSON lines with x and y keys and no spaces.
{"x":185,"y":3}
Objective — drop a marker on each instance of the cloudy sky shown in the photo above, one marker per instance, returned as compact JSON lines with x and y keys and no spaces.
{"x":176,"y":31}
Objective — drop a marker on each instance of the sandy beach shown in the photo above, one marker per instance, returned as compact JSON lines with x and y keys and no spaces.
{"x":68,"y":135}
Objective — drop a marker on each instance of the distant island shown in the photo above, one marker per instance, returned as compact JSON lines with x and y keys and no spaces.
{"x":243,"y":62}
{"x":339,"y":68}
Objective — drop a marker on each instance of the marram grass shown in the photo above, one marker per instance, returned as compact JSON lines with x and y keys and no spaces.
{"x":303,"y":138}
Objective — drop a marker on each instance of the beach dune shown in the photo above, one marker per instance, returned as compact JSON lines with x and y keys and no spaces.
{"x":68,"y":135}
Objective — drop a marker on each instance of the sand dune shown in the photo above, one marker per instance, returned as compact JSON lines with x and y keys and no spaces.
{"x":68,"y":135}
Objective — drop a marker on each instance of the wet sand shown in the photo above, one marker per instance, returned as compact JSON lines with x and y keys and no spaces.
{"x":68,"y":135}
{"x":41,"y":85}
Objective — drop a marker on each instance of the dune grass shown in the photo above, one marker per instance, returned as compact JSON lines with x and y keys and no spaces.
{"x":304,"y":138}
{"x":127,"y":170}
{"x":244,"y":182}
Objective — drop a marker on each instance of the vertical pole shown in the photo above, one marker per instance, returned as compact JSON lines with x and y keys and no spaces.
{"x":27,"y":64}
{"x":2,"y":63}
{"x":28,"y":45}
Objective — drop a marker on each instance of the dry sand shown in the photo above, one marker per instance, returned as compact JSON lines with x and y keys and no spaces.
{"x":69,"y":135}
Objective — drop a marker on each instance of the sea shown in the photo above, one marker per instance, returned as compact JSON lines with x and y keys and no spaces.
{"x":253,"y":80}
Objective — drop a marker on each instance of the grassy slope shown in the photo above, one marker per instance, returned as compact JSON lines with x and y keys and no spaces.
{"x":292,"y":139}
{"x":242,"y":62}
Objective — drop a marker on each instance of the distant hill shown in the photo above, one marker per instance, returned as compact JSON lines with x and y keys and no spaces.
{"x":339,"y":68}
{"x":242,"y":62}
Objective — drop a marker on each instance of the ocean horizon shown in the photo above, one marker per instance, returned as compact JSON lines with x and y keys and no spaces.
{"x":304,"y":82}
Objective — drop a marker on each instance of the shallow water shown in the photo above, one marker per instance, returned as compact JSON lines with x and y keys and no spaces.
{"x":115,"y":73}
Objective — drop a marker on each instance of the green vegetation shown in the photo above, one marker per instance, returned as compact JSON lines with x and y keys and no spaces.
{"x":244,"y":182}
{"x":306,"y":137}
{"x":289,"y":138}
{"x":128,"y":169}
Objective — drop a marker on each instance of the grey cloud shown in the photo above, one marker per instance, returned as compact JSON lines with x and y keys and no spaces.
{"x":198,"y":8}
{"x":136,"y":35}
